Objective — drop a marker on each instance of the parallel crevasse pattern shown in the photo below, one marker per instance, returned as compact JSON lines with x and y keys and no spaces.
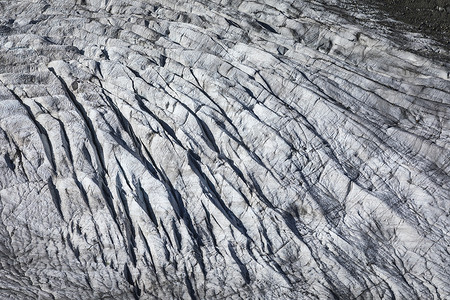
{"x":218,"y":149}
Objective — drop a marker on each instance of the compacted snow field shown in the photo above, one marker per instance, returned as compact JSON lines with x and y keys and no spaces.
{"x":219,"y":150}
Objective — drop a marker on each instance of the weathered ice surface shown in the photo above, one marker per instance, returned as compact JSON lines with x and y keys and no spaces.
{"x":219,"y":149}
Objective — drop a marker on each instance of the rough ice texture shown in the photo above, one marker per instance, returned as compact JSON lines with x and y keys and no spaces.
{"x":218,"y":149}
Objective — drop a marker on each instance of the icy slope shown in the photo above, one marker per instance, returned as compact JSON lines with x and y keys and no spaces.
{"x":218,"y":149}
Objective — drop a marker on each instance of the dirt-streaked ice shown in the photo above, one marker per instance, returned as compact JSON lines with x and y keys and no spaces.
{"x":219,"y":150}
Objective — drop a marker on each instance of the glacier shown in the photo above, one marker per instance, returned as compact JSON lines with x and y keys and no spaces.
{"x":225,"y":149}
